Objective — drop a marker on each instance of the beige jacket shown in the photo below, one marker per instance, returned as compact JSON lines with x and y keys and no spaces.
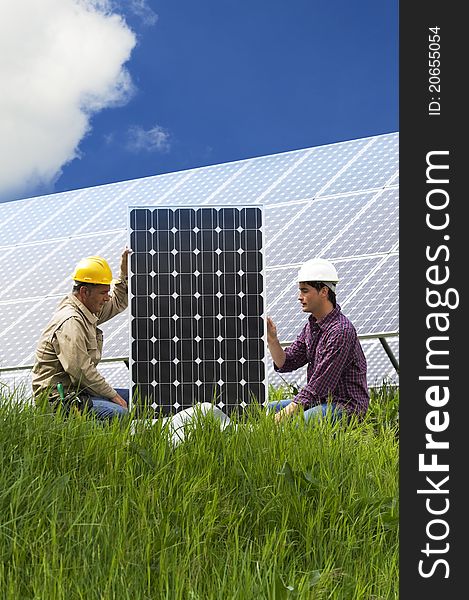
{"x":71,"y":345}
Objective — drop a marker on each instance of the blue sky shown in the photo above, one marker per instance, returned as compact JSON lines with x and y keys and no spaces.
{"x":179,"y":84}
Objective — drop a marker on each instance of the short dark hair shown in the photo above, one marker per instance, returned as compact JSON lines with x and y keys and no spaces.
{"x":79,"y":284}
{"x":319,"y":285}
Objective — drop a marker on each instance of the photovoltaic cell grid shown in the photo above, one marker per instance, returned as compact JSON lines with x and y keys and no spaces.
{"x":374,"y":305}
{"x":377,"y":165}
{"x":339,"y":201}
{"x":375,"y":231}
{"x":68,"y":215}
{"x":305,"y":234}
{"x":53,"y":262}
{"x":19,"y":322}
{"x":197,"y":307}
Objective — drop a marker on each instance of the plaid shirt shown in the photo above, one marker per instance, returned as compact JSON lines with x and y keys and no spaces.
{"x":336,"y":363}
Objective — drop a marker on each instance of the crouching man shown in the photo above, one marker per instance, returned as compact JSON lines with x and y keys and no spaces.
{"x":71,"y":345}
{"x":329,"y":345}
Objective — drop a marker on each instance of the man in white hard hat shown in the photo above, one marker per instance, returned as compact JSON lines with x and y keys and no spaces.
{"x":328,"y":344}
{"x":70,"y":346}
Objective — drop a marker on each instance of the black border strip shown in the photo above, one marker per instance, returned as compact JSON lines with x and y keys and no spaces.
{"x":433,"y":234}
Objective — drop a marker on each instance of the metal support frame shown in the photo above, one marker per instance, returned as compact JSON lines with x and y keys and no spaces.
{"x":389,"y":352}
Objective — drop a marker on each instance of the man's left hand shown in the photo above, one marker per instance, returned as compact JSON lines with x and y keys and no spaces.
{"x":291,"y":409}
{"x":119,"y":400}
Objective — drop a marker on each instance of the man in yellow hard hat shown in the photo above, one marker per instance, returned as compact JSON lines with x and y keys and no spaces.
{"x":70,"y":346}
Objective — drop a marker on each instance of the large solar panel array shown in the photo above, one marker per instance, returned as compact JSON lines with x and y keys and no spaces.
{"x":338,"y":201}
{"x":197,"y":307}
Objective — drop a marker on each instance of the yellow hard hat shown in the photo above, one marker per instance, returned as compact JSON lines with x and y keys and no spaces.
{"x":93,"y":269}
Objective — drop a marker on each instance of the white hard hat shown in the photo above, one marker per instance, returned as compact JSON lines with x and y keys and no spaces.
{"x":319,"y":269}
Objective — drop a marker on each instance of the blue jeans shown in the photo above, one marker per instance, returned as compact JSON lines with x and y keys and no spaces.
{"x":316,"y":412}
{"x":105,"y":410}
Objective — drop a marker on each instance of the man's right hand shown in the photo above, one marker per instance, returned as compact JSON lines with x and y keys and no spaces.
{"x":120,"y":401}
{"x":271,"y":331}
{"x":275,"y":349}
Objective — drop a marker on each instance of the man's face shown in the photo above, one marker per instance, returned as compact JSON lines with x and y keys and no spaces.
{"x":95,"y":297}
{"x":310,"y":298}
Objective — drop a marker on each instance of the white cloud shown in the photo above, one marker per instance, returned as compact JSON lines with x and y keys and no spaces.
{"x":60,"y":62}
{"x":139,"y":8}
{"x":143,"y":11}
{"x":155,"y":139}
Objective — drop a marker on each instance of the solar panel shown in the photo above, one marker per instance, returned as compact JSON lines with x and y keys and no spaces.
{"x":338,"y":201}
{"x":202,"y":183}
{"x":19,"y":322}
{"x":28,"y":216}
{"x":314,"y":171}
{"x":374,"y":305}
{"x":197,"y":307}
{"x":304,"y":235}
{"x":277,"y":216}
{"x":378,"y":162}
{"x":373,"y":231}
{"x":45,"y":267}
{"x":255,"y":178}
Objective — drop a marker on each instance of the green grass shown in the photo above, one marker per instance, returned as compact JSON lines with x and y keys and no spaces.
{"x":266,"y":511}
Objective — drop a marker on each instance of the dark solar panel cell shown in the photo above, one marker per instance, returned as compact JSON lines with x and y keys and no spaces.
{"x":140,"y":220}
{"x":162,"y":219}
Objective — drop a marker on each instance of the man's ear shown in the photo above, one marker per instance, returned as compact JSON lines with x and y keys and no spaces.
{"x":83,"y":291}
